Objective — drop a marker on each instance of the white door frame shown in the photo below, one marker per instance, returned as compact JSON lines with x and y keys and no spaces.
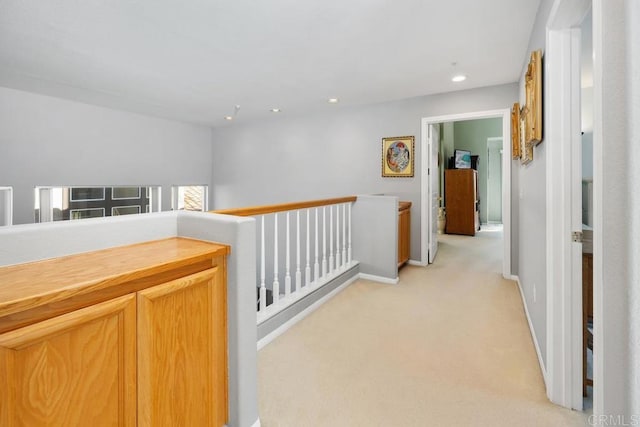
{"x":432,"y":218}
{"x":564,"y":293}
{"x":6,"y":193}
{"x":425,"y":207}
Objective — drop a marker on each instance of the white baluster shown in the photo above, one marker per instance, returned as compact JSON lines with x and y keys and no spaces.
{"x":324,"y":241}
{"x":350,"y":226}
{"x":344,"y":236}
{"x":298,"y":273}
{"x":276,"y":284}
{"x":337,"y":237}
{"x":330,"y":239}
{"x":287,"y":274}
{"x":263,"y":289}
{"x":316,"y":265}
{"x":307,"y":270}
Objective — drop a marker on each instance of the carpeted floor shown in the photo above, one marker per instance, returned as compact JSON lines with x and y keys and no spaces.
{"x":448,"y":346}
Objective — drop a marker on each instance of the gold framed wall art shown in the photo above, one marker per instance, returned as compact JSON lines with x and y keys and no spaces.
{"x":526,"y":149}
{"x":398,"y":156}
{"x":533,"y":94}
{"x":515,"y":131}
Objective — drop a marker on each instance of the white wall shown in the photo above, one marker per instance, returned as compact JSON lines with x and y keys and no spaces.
{"x":291,"y":158}
{"x":529,"y":210}
{"x":51,"y":141}
{"x":617,"y":24}
{"x":633,"y":119}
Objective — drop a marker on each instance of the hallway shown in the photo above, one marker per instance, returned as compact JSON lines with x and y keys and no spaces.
{"x":449,"y":345}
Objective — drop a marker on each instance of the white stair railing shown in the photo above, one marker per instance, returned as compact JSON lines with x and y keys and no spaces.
{"x":328,"y":260}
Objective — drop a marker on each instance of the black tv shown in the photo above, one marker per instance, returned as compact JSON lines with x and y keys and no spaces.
{"x":462,"y":159}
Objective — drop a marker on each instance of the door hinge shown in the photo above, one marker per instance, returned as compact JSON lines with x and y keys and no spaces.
{"x":576,"y":236}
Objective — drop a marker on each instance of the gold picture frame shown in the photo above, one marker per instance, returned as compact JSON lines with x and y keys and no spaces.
{"x":526,"y":149}
{"x":533,"y":94}
{"x":515,"y":131}
{"x":398,"y":155}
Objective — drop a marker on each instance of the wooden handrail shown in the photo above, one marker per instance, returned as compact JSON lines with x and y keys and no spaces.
{"x":262,"y":210}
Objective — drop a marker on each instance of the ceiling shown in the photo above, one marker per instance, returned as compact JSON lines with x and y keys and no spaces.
{"x":195,"y":60}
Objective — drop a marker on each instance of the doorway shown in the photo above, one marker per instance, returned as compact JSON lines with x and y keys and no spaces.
{"x":494,"y":180}
{"x":567,"y":238}
{"x":427,"y":208}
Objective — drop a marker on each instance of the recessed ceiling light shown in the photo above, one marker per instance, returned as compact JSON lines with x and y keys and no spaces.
{"x":459,"y":78}
{"x":333,"y":100}
{"x":275,"y":110}
{"x":228,"y":118}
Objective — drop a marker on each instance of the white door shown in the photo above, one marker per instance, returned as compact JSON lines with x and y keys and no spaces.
{"x":433,"y":142}
{"x":494,"y":180}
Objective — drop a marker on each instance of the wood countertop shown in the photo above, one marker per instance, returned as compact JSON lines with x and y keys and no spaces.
{"x":91,"y":277}
{"x":403,"y":205}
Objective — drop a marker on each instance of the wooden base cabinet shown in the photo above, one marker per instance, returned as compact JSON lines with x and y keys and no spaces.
{"x":72,"y":370}
{"x":156,"y":356}
{"x":404,"y":232}
{"x":180,"y":334}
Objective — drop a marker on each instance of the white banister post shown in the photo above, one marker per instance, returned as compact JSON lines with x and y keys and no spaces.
{"x":350,"y":227}
{"x":307,"y":270}
{"x":263,"y":288}
{"x":276,"y":284}
{"x":330,"y":239}
{"x":324,"y":241}
{"x":316,"y":265}
{"x":298,"y":273}
{"x":337,"y":237}
{"x":344,"y":236}
{"x":287,"y":273}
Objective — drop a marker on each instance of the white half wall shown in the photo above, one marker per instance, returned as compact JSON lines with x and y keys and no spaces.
{"x":375,"y":236}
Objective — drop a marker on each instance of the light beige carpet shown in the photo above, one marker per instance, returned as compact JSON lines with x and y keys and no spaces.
{"x":448,"y":346}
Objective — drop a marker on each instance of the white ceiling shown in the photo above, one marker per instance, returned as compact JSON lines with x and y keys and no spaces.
{"x":194,"y":60}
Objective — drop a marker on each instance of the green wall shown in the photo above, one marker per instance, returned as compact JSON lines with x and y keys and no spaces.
{"x":472,"y":135}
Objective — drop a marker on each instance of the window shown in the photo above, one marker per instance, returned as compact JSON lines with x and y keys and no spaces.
{"x":190,"y":198}
{"x":6,"y":206}
{"x":72,"y":203}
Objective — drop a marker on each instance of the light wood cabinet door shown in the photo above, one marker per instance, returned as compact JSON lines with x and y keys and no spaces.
{"x":77,"y":369}
{"x":404,"y":236}
{"x":182,"y":366}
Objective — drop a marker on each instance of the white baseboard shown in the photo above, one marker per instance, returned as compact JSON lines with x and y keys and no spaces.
{"x":379,"y":279}
{"x":257,"y":423}
{"x":533,"y":332}
{"x":418,"y":263}
{"x":304,"y":313}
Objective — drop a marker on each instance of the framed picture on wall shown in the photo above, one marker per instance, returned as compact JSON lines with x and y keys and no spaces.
{"x":398,"y":156}
{"x":526,"y":149}
{"x":533,"y":94}
{"x":515,"y":131}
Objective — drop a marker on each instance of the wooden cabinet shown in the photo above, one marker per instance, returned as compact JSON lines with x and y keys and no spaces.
{"x":141,"y":340}
{"x":180,"y":334}
{"x":75,"y":369}
{"x":404,"y":232}
{"x":461,"y":199}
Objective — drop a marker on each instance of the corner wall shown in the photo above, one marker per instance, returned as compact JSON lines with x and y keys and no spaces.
{"x":50,"y":141}
{"x":337,"y":153}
